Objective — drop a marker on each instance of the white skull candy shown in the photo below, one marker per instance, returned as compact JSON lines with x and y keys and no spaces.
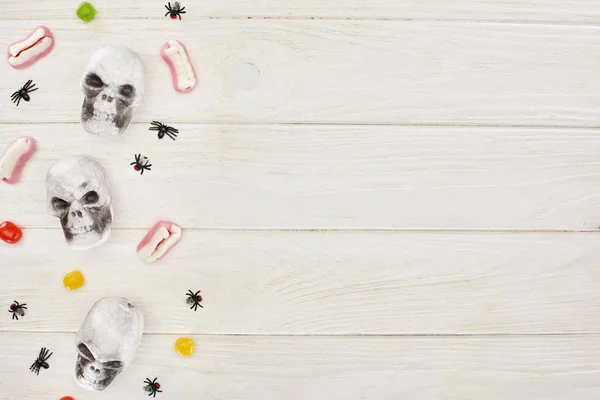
{"x":78,"y":193}
{"x":107,"y":342}
{"x":113,"y":84}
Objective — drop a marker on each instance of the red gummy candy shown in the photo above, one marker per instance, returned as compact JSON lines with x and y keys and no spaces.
{"x":67,"y":398}
{"x":10,"y":233}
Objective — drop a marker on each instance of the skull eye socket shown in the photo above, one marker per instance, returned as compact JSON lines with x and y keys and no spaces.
{"x":59,"y":205}
{"x":85,"y":352}
{"x":94,"y":81}
{"x":113,"y":365}
{"x":91,"y":197}
{"x":127,"y":91}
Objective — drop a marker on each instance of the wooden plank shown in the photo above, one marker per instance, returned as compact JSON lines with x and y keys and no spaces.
{"x":574,"y":11}
{"x":242,"y":176}
{"x":243,"y":367}
{"x":318,"y":282}
{"x":359,"y":72}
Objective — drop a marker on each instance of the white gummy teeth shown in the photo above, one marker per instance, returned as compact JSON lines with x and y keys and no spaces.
{"x":177,"y":58}
{"x":158,"y":241}
{"x":25,"y":52}
{"x":15,"y":158}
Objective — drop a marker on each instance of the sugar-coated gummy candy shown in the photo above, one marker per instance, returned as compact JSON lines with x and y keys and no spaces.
{"x":10,"y":233}
{"x":86,"y":11}
{"x":184,"y":346}
{"x":73,"y":280}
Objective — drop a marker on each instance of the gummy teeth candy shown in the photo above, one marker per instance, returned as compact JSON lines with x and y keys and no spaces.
{"x":182,"y":71}
{"x":25,"y":52}
{"x":158,"y":241}
{"x":15,"y":158}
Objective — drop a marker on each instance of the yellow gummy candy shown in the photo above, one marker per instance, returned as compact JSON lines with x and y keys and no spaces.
{"x":184,"y":346}
{"x":73,"y":280}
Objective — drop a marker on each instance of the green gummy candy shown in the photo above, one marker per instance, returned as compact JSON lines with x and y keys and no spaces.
{"x":86,"y":11}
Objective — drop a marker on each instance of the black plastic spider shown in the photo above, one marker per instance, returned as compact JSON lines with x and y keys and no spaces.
{"x":23,"y":93}
{"x":41,"y":361}
{"x":176,"y":11}
{"x":163,"y":130}
{"x":141,"y":164}
{"x":152,"y":387}
{"x":194,"y":299}
{"x":17,"y":309}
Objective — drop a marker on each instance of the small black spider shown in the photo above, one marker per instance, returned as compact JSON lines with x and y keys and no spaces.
{"x":152,"y":387}
{"x":140,"y":164}
{"x":23,"y":93}
{"x":194,"y":299}
{"x":176,"y":11}
{"x":41,"y":361}
{"x":17,"y":309}
{"x":163,"y":130}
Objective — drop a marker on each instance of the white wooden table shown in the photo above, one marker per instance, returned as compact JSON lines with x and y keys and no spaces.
{"x":381,"y":199}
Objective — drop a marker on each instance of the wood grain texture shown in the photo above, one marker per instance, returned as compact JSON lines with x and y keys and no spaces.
{"x":299,"y":368}
{"x":318,"y":282}
{"x":573,"y":11}
{"x":332,"y":177}
{"x":359,"y":72}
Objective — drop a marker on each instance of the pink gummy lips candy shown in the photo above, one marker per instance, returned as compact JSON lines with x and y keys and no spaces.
{"x":158,"y":241}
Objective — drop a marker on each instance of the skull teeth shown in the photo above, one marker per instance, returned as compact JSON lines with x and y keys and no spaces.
{"x":80,"y":231}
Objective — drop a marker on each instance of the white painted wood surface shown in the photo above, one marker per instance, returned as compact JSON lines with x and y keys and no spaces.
{"x":381,"y":200}
{"x":359,"y":72}
{"x":544,"y":11}
{"x":305,"y":367}
{"x":321,"y":282}
{"x":330,"y":177}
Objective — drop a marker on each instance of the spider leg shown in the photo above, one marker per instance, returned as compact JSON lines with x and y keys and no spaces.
{"x":27,"y":84}
{"x":148,"y":166}
{"x":171,"y":135}
{"x":14,"y":315}
{"x":18,"y":100}
{"x":32,"y":90}
{"x":154,"y":128}
{"x":48,"y":356}
{"x":181,"y":10}
{"x":179,"y":15}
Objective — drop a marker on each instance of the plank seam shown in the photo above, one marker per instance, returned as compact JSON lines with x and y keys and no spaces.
{"x":353,"y":19}
{"x":333,"y":124}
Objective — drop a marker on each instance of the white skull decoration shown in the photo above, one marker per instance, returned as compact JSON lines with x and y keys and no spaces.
{"x":78,"y":193}
{"x":113,"y":84}
{"x":107,"y":342}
